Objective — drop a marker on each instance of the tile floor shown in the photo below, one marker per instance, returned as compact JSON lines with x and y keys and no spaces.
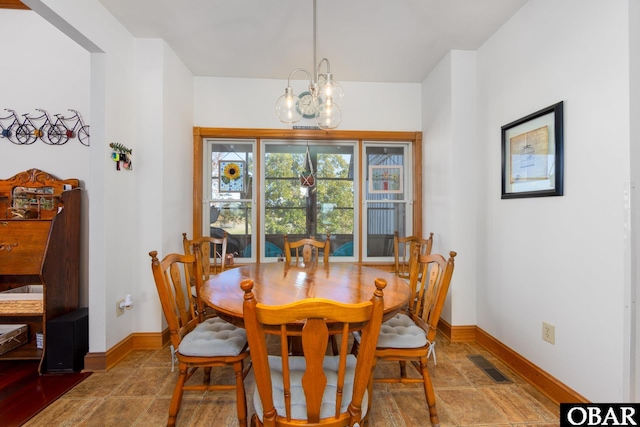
{"x":137,"y":392}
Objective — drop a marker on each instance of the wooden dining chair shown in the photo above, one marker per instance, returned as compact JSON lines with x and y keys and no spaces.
{"x":199,"y":343}
{"x":213,"y":253}
{"x":402,"y":252}
{"x":212,"y":257}
{"x":410,"y":335}
{"x":307,"y":249}
{"x":314,"y":388}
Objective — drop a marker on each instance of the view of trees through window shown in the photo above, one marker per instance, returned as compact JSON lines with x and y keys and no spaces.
{"x":257,"y":190}
{"x":326,"y":207}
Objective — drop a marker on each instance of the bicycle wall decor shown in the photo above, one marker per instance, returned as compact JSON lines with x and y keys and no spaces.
{"x":51,"y":131}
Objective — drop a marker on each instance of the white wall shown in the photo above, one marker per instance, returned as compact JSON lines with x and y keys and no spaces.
{"x":450,"y":166}
{"x":249,"y":103}
{"x":37,"y":75}
{"x":633,"y":258}
{"x":165,"y":192}
{"x":559,"y":259}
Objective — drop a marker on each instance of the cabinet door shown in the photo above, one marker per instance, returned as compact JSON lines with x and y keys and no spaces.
{"x":23,"y":244}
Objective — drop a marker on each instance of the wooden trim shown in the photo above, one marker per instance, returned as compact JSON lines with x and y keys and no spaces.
{"x":95,"y":362}
{"x":197,"y":184}
{"x":305,"y":134}
{"x":100,"y":362}
{"x":13,"y":4}
{"x":457,"y":333}
{"x":541,"y":380}
{"x":417,"y":185}
{"x":149,"y":340}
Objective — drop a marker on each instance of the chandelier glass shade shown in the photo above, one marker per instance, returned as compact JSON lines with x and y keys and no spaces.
{"x":324,"y":97}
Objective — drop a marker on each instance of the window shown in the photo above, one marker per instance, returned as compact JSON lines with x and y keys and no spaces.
{"x":301,"y":207}
{"x":366,"y":186}
{"x":386,"y":205}
{"x":229,"y":181}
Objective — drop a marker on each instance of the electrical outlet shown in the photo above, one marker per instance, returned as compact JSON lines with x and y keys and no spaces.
{"x":119,"y":311}
{"x":548,"y":332}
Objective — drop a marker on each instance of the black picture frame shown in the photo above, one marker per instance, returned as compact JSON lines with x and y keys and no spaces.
{"x":533,"y":155}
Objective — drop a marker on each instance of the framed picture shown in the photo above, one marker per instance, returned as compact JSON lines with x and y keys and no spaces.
{"x":532,"y":155}
{"x":385,"y":179}
{"x":232,"y":176}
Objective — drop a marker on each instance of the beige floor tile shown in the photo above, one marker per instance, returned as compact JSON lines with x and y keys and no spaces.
{"x":467,"y":406}
{"x":102,"y":384}
{"x":64,"y":412}
{"x":519,"y":406}
{"x":217,"y":409}
{"x":118,"y":412}
{"x":144,"y":382}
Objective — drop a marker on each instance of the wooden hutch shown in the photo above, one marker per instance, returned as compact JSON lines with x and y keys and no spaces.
{"x":39,"y":255}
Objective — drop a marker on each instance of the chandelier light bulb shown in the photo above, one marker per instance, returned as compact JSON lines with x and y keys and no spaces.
{"x":329,"y":115}
{"x":329,"y":88}
{"x":286,"y":107}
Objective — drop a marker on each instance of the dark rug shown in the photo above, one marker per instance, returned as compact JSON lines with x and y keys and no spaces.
{"x":24,"y":393}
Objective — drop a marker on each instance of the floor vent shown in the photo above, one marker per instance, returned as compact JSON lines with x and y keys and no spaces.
{"x":489,"y":369}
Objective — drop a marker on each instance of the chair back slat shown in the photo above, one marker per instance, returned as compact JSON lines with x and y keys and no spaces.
{"x":315,"y":336}
{"x":307,"y":249}
{"x":429,"y":280}
{"x":313,"y":320}
{"x":173,"y":280}
{"x":213,"y":253}
{"x":403,"y":250}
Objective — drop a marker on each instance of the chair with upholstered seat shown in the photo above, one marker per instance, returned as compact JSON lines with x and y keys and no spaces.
{"x":402,"y":252}
{"x":410,"y":335}
{"x":313,"y":389}
{"x":307,"y":249}
{"x":200,"y":344}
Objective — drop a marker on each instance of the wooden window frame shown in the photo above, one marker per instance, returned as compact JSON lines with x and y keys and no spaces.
{"x":202,"y":133}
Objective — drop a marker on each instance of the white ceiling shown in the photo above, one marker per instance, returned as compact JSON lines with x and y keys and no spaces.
{"x":364,"y":40}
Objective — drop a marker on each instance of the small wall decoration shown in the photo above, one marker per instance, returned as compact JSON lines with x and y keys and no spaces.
{"x":232,"y":176}
{"x":51,"y":131}
{"x":532,"y":155}
{"x":386,"y":179}
{"x":121,"y":155}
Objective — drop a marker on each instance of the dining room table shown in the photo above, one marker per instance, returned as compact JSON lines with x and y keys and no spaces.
{"x":279,"y":283}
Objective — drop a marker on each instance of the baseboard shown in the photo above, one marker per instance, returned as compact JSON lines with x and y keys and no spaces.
{"x":541,"y":380}
{"x":100,"y":362}
{"x":457,"y":333}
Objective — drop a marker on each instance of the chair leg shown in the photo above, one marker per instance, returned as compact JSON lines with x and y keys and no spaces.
{"x":403,"y":369}
{"x":255,"y":421}
{"x":176,"y":399}
{"x":365,"y":420}
{"x":429,"y":393}
{"x":241,"y":398}
{"x":354,"y":348}
{"x":334,"y":345}
{"x":207,"y":375}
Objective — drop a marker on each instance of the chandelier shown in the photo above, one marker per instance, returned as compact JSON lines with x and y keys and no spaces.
{"x":323,"y":99}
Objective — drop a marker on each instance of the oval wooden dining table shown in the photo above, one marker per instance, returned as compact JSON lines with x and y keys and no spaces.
{"x":280,"y":283}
